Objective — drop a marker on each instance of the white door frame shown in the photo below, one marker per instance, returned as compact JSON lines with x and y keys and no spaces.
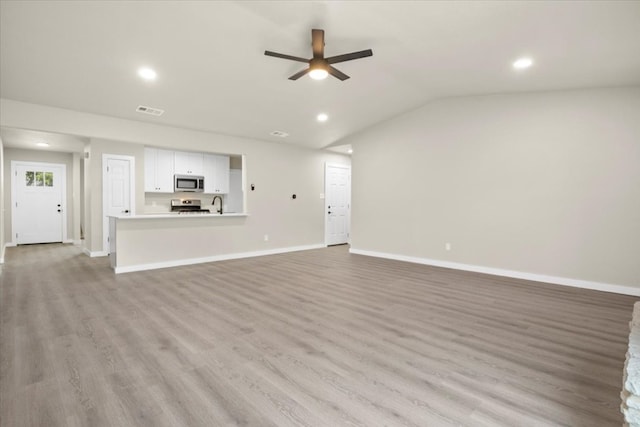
{"x":14,"y":165}
{"x":132,"y":194}
{"x":326,"y":216}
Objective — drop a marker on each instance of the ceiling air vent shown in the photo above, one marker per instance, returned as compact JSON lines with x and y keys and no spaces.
{"x":149,"y":110}
{"x":279,"y":133}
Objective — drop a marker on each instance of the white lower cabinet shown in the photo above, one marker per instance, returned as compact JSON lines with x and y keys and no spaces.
{"x":216,"y":174}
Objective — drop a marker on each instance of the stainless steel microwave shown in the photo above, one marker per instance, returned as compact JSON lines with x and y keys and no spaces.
{"x":190,"y":183}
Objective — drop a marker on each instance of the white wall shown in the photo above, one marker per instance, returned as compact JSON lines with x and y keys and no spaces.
{"x":277,"y":170}
{"x":545,"y":183}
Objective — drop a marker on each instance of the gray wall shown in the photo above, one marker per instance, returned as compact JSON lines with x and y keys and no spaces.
{"x":545,"y":183}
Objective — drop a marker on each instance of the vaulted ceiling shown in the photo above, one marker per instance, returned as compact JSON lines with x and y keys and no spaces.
{"x":212,"y":74}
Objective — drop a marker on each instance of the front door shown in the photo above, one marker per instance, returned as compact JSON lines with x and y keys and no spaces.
{"x":118,"y":197}
{"x":38,"y":202}
{"x":337,"y":203}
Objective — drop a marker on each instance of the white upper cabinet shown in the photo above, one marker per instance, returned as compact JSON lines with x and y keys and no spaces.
{"x":158,"y":170}
{"x":216,"y":174}
{"x":188,"y":163}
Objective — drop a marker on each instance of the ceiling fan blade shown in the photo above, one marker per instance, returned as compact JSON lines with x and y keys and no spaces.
{"x":349,"y":56}
{"x":337,"y":73}
{"x":299,"y":74}
{"x":317,"y":41}
{"x":283,"y":56}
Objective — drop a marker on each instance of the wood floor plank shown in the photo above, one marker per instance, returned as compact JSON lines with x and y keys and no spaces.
{"x":313,"y":338}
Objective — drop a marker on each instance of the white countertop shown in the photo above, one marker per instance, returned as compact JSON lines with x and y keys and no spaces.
{"x":179,"y":216}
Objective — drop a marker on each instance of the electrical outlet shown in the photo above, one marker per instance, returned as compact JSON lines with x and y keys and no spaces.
{"x":447,"y":246}
{"x":266,"y":237}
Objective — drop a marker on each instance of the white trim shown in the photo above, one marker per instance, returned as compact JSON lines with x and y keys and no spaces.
{"x":10,"y":245}
{"x":576,"y":283}
{"x":68,"y":241}
{"x":94,"y":254}
{"x":224,"y":257}
{"x":63,"y":201}
{"x":132,"y":193}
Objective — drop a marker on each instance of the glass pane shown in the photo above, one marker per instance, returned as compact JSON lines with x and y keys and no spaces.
{"x":48,"y":179}
{"x":28,"y":178}
{"x":39,"y":179}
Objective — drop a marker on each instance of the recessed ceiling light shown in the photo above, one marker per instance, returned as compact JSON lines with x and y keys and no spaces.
{"x":42,"y":144}
{"x":523,"y":63}
{"x":322,"y":117}
{"x":147,"y":73}
{"x":350,"y":150}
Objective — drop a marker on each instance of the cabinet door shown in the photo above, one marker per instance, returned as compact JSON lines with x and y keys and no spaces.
{"x":209,"y":172}
{"x":216,"y":174}
{"x":158,"y":170}
{"x":188,"y":163}
{"x":150,"y":155}
{"x":222,"y":174}
{"x":164,"y":171}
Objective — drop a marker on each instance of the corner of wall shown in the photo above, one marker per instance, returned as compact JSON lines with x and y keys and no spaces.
{"x":2,"y":204}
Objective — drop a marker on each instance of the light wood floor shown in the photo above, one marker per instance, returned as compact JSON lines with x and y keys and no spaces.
{"x":315,"y":338}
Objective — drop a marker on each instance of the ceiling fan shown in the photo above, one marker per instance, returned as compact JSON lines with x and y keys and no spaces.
{"x":319,"y":66}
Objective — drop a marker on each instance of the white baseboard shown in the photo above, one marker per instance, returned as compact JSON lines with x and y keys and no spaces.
{"x":576,"y":283}
{"x":94,"y":253}
{"x":224,"y":257}
{"x":67,"y":241}
{"x":4,"y":248}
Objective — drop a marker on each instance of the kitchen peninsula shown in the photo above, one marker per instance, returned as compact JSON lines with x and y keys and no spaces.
{"x":145,"y":242}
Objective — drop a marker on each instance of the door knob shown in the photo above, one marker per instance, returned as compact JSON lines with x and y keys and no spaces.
{"x":59,"y":210}
{"x":329,"y":212}
{"x":126,"y":211}
{"x":58,"y":204}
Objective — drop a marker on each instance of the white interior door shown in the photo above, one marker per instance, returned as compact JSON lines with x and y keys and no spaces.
{"x":38,"y":202}
{"x":118,"y":190}
{"x":337,"y":203}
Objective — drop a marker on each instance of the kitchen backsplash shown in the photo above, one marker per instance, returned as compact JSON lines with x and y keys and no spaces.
{"x":161,"y":203}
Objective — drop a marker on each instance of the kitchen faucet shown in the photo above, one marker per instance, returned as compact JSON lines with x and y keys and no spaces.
{"x":213,"y":203}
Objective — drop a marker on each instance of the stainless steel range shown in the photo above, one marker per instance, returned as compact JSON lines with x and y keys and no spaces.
{"x":188,"y":206}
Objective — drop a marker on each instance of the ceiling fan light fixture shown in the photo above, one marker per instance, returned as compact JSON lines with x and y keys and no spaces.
{"x":318,"y":74}
{"x":318,"y":70}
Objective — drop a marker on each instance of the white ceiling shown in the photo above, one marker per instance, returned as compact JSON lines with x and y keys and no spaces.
{"x":213,"y":76}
